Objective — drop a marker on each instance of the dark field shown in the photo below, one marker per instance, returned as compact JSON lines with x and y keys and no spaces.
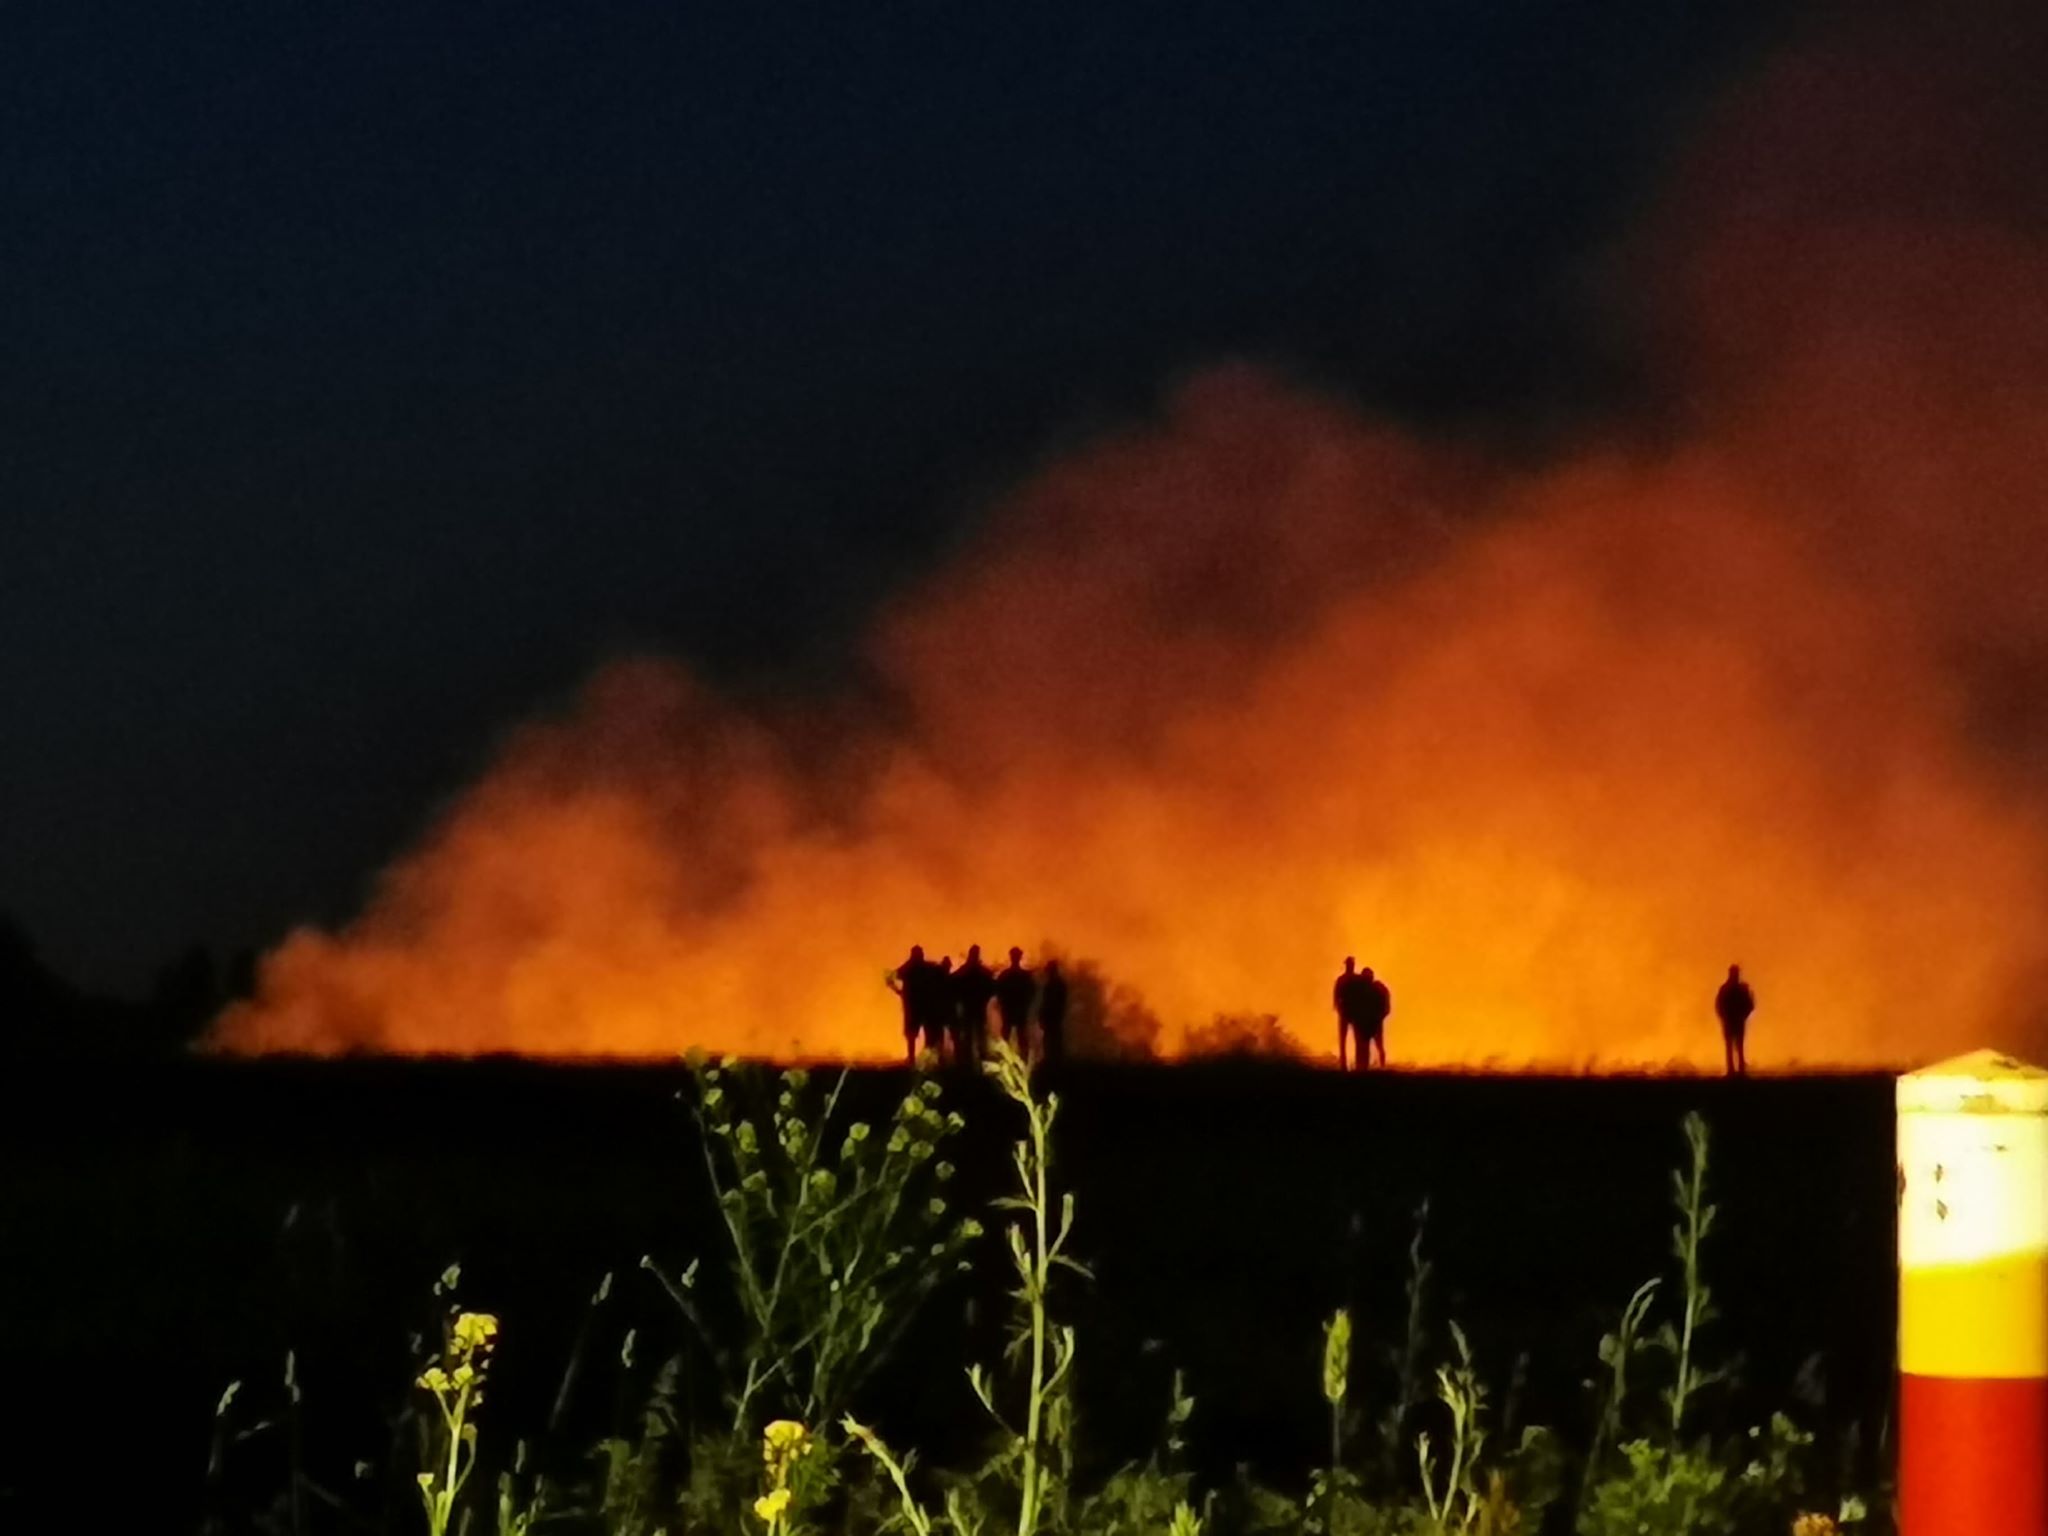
{"x":170,"y":1229}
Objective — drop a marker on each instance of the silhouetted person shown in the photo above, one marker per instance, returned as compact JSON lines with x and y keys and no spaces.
{"x":1349,"y":998}
{"x":974,"y":988}
{"x":939,"y":1008}
{"x":1376,"y":1004}
{"x":1733,"y":1005}
{"x":1052,"y":1013}
{"x":911,"y":981}
{"x":1016,"y":988}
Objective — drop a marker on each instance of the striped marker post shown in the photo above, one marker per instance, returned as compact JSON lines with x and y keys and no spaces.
{"x":1973,"y":1298}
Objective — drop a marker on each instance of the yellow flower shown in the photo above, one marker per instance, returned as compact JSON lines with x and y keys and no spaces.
{"x":434,"y":1379}
{"x":782,"y":1439}
{"x":465,"y":1373}
{"x":475,"y":1330}
{"x":771,"y":1506}
{"x":1336,"y":1356}
{"x":1815,"y":1525}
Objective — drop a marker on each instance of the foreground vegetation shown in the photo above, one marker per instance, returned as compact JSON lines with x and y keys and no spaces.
{"x":834,"y":1233}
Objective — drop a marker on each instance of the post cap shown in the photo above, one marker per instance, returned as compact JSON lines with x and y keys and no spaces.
{"x":1980,"y":1083}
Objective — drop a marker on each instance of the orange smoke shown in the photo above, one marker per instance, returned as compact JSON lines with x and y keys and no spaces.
{"x":1261,"y":684}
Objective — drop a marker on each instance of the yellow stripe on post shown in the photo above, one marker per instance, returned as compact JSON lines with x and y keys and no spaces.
{"x":1973,"y":1298}
{"x":1975,"y":1319}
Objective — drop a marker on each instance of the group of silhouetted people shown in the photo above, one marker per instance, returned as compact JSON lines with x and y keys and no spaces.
{"x":1363,"y":1004}
{"x":945,"y":1008}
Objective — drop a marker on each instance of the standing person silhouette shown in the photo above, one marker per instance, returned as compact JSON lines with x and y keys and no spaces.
{"x":1376,"y":1005}
{"x":1733,"y":1005}
{"x":1348,"y":999}
{"x":1015,"y":990}
{"x":1052,"y":1014}
{"x":938,"y":1006}
{"x":910,"y":981}
{"x":974,"y":987}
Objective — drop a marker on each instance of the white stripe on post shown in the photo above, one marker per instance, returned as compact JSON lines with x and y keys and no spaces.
{"x":1973,"y":1298}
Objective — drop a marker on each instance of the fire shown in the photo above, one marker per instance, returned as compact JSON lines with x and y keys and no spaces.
{"x":1263,"y":683}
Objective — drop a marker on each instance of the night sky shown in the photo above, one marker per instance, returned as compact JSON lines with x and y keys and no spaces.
{"x":368,"y":377}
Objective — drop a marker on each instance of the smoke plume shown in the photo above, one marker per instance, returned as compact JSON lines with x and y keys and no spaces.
{"x":1261,"y":682}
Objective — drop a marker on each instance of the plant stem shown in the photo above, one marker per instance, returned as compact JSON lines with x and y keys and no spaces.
{"x":1027,"y":1518}
{"x":1693,"y":1203}
{"x":771,"y":1304}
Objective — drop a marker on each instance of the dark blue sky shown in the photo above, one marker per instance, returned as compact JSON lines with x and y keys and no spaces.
{"x":367,"y":376}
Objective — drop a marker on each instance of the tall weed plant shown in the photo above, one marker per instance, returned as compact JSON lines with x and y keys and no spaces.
{"x":832,"y":1232}
{"x":837,"y":1231}
{"x":1668,"y":1481}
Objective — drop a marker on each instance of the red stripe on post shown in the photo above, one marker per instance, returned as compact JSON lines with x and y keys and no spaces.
{"x":1973,"y":1456}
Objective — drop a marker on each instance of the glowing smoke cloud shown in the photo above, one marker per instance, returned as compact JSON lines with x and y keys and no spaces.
{"x":1262,"y":683}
